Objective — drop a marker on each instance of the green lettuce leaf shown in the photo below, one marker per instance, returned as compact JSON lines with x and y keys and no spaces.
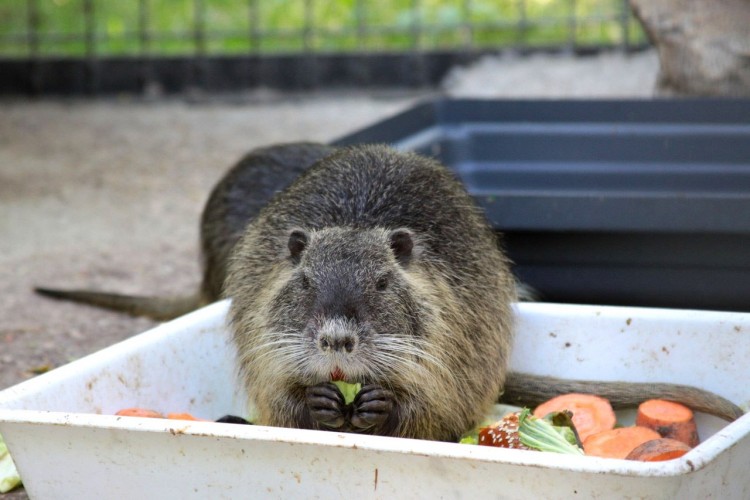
{"x":349,"y":391}
{"x":541,"y":435}
{"x":9,"y":478}
{"x":470,"y":438}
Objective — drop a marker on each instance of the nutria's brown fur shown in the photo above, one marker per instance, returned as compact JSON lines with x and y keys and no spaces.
{"x":374,"y":266}
{"x":378,"y":266}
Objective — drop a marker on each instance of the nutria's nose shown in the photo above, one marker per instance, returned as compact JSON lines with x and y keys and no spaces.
{"x":346,"y":343}
{"x":335,"y":335}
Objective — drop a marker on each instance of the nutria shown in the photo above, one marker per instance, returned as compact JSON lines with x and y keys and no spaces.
{"x":374,"y":267}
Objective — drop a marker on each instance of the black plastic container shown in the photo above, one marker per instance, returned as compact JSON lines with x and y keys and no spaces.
{"x":611,"y":202}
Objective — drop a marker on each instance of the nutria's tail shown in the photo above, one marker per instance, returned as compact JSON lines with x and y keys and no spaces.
{"x":532,"y":390}
{"x":160,"y":308}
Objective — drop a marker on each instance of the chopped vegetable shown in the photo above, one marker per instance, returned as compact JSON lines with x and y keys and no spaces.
{"x":349,"y":391}
{"x":147,"y":413}
{"x":9,"y":478}
{"x":541,"y":435}
{"x":664,"y":430}
{"x":139,"y":412}
{"x":498,"y":412}
{"x":591,"y":414}
{"x":471,"y":438}
{"x":502,"y":434}
{"x":184,"y":416}
{"x":669,"y":419}
{"x":617,"y":443}
{"x":658,"y":450}
{"x":562,"y":421}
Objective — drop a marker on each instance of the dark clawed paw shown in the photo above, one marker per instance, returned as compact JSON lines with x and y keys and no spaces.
{"x":372,"y":408}
{"x":326,"y":405}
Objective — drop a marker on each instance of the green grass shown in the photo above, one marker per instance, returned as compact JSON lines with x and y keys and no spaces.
{"x":282,"y":26}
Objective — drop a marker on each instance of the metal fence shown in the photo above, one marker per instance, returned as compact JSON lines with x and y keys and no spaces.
{"x":96,"y":46}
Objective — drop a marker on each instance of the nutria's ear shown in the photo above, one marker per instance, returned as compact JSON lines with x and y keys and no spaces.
{"x":297,"y":243}
{"x":402,"y":244}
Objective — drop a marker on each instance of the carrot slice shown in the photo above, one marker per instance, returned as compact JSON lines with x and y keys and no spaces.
{"x":669,"y":419}
{"x":183,"y":416}
{"x":617,"y":443}
{"x":591,"y":414}
{"x":657,"y":450}
{"x":139,"y":412}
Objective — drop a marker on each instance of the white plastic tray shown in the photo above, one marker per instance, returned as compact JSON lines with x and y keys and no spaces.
{"x":66,"y":444}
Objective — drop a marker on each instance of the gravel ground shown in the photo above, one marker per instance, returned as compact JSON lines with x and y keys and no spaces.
{"x":107,"y":193}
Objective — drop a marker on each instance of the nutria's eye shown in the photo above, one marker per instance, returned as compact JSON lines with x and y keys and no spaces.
{"x":381,"y":284}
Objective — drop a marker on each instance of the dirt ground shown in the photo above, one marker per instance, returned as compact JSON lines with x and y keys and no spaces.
{"x":107,"y":193}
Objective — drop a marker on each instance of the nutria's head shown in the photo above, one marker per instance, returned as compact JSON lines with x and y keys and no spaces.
{"x":347,"y":309}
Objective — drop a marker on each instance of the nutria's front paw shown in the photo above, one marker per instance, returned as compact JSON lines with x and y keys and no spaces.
{"x":326,"y":404}
{"x":373,"y":410}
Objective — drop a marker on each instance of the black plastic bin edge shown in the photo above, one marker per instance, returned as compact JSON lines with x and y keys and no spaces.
{"x":447,"y":129}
